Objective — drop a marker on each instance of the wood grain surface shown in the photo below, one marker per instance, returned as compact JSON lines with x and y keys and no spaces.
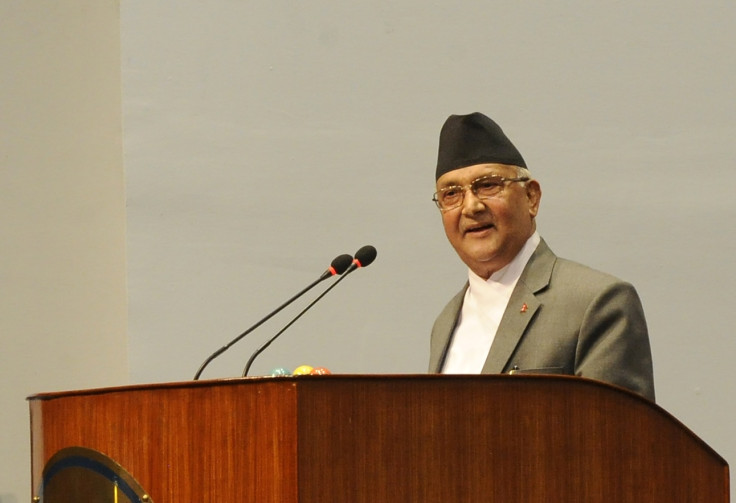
{"x":424,"y":438}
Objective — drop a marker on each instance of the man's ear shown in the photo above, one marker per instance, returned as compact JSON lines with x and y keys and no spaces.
{"x":534,"y":194}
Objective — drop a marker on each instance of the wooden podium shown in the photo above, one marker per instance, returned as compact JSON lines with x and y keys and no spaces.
{"x":380,"y":439}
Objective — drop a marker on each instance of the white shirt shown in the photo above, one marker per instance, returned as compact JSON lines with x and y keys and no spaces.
{"x":483,"y":307}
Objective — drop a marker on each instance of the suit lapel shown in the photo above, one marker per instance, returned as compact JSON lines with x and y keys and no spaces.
{"x":443,"y":329}
{"x":521,"y":308}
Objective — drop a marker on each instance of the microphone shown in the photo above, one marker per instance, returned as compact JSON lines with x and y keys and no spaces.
{"x":338,"y":266}
{"x":363,"y":258}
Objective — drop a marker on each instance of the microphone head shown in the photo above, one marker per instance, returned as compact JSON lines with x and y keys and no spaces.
{"x":341,"y":263}
{"x":365,"y":256}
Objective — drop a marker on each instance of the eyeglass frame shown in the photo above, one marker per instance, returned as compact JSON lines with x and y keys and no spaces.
{"x":464,"y":188}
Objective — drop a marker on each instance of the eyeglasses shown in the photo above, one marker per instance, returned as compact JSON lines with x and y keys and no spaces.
{"x":484,"y":187}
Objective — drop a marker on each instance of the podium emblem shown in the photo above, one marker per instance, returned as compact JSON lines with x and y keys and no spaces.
{"x":77,"y":474}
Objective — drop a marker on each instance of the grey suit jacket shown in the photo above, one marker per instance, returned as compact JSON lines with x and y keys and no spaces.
{"x":563,"y":318}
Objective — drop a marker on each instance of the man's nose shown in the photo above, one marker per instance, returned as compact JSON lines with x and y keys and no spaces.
{"x":471,"y":202}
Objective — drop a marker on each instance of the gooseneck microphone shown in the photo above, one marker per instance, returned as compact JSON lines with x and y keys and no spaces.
{"x":338,"y":266}
{"x":363,"y":258}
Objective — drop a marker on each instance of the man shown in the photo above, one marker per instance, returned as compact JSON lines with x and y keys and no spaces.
{"x":523,"y":308}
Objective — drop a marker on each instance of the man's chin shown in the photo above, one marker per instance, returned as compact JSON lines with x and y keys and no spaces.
{"x":486,"y":261}
{"x":481,"y":251}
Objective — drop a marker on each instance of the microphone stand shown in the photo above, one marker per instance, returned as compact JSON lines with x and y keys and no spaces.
{"x":264,"y":320}
{"x":268,"y":343}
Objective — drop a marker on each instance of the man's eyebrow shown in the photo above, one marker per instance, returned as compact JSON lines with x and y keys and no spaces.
{"x":450,"y":183}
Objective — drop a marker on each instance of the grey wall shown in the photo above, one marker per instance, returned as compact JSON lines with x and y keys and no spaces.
{"x":264,"y":138}
{"x":62,"y":204}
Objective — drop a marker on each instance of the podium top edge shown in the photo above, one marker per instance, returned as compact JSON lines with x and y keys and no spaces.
{"x":230,"y":381}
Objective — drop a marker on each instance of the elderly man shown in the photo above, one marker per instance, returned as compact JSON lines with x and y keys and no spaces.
{"x":523,"y":308}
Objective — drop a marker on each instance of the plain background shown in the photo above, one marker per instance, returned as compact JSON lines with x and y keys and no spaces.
{"x":63,"y":299}
{"x":173,"y":170}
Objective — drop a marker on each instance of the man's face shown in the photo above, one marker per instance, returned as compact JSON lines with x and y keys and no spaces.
{"x":487,"y":234}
